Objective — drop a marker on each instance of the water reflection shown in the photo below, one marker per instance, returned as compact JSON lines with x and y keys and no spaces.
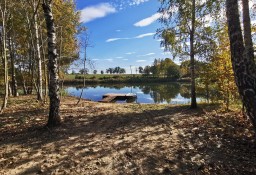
{"x":162,"y":93}
{"x":170,"y":93}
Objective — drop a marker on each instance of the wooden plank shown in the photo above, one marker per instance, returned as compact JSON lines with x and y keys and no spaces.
{"x":111,"y":97}
{"x":107,"y":99}
{"x":131,"y":95}
{"x":119,"y":95}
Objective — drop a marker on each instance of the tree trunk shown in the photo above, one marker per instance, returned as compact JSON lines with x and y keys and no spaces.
{"x":85,"y":56}
{"x":247,"y":29}
{"x":31,"y":66}
{"x":25,"y":92}
{"x":193,"y":104}
{"x":54,"y":113}
{"x":12,"y":55}
{"x":9,"y":89}
{"x":5,"y":100}
{"x":46,"y":77}
{"x":243,"y":65}
{"x":38,"y":54}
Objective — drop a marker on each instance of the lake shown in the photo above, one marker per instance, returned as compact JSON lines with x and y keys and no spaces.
{"x":159,"y":93}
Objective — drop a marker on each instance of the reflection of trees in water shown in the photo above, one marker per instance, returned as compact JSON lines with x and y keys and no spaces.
{"x":210,"y":94}
{"x":115,"y":86}
{"x":81,"y":87}
{"x":162,"y":92}
{"x":145,"y":89}
{"x":185,"y":90}
{"x":110,"y":86}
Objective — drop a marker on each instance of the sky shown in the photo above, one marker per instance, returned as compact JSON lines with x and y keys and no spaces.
{"x":121,"y":33}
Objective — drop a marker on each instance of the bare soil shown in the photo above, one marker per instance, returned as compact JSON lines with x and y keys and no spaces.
{"x":117,"y":139}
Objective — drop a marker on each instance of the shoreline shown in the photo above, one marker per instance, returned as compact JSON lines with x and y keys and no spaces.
{"x":121,"y":81}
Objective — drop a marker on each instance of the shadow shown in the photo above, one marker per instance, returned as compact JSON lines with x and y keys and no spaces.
{"x":217,"y":144}
{"x":105,"y":140}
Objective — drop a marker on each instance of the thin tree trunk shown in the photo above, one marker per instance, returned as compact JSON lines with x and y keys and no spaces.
{"x":46,"y":77}
{"x":192,"y":59}
{"x":60,"y":51}
{"x":62,"y":79}
{"x":9,"y":90}
{"x":31,"y":67}
{"x":83,"y":80}
{"x":3,"y":14}
{"x":86,"y":44}
{"x":23,"y":82}
{"x":31,"y":55}
{"x":243,"y":66}
{"x":54,"y":113}
{"x":38,"y":54}
{"x":247,"y":29}
{"x":12,"y":55}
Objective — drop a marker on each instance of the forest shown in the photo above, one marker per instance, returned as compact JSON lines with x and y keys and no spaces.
{"x":44,"y":129}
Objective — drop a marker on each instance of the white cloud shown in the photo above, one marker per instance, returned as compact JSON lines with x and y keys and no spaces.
{"x":95,"y":59}
{"x":144,"y":35}
{"x":118,"y":30}
{"x":149,"y":54}
{"x":125,"y":59}
{"x":140,"y":61}
{"x":136,"y":37}
{"x":115,"y":39}
{"x":98,"y":11}
{"x":146,"y":55}
{"x":110,"y":60}
{"x":148,"y":21}
{"x":119,"y":57}
{"x":130,"y":53}
{"x":137,"y":2}
{"x":123,"y":4}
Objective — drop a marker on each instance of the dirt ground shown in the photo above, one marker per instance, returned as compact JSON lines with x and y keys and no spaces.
{"x":118,"y":139}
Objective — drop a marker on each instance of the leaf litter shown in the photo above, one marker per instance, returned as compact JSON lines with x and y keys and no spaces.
{"x":100,"y":138}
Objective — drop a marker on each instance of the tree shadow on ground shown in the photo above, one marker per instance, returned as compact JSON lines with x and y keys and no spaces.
{"x":173,"y":140}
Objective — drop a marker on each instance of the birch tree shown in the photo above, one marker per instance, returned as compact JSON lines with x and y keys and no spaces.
{"x":247,"y":29}
{"x":187,"y":32}
{"x":38,"y":53}
{"x":54,"y":113}
{"x":242,"y":60}
{"x":3,"y":11}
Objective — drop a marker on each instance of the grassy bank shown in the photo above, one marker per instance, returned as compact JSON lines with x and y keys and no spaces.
{"x":97,"y":138}
{"x":116,"y":78}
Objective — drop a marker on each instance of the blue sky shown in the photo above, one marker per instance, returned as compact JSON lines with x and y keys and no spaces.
{"x":122,"y":32}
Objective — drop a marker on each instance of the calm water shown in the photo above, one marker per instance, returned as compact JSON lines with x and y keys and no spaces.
{"x":165,"y":93}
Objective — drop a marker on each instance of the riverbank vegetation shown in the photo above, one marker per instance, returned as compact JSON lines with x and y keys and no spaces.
{"x":115,"y":78}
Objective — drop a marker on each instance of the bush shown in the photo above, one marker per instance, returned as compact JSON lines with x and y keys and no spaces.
{"x":115,"y":76}
{"x":104,"y":78}
{"x":78,"y":77}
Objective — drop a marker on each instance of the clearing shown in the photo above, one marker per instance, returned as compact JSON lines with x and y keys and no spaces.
{"x":113,"y":139}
